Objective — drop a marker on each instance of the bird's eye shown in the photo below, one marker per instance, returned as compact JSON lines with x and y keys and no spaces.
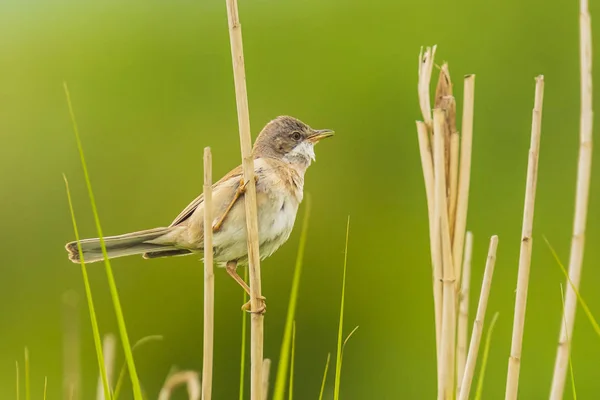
{"x":296,"y":136}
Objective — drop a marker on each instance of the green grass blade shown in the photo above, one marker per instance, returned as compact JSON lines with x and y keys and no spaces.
{"x":573,"y":390}
{"x":88,"y":294}
{"x":244,"y":330}
{"x":338,"y":361}
{"x":346,"y":341}
{"x":18,"y":394}
{"x":45,"y":387}
{"x":292,"y":359}
{"x":486,"y":353}
{"x":121,"y":379}
{"x":135,"y":383}
{"x":284,"y":354}
{"x":584,"y":305}
{"x":27,"y":380}
{"x":324,"y":376}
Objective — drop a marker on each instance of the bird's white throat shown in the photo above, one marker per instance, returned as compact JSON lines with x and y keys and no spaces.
{"x":302,"y":154}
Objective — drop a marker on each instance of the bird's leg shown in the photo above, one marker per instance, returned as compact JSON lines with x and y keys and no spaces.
{"x":231,"y":267}
{"x":240,"y":191}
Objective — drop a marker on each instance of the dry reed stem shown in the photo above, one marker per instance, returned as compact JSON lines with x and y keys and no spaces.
{"x":189,"y":378}
{"x":453,"y":176}
{"x":436,"y":256}
{"x":447,"y":352}
{"x":584,"y":170}
{"x":209,"y":282}
{"x":445,"y":100}
{"x":425,"y":69}
{"x":241,"y":96}
{"x":514,"y":363}
{"x":464,"y":177}
{"x":463,"y":314}
{"x":71,"y":346}
{"x":265,"y":383}
{"x":484,"y":295}
{"x":109,"y":349}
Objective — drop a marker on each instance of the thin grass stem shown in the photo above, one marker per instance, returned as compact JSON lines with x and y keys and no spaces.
{"x":292,"y":360}
{"x":338,"y":361}
{"x":88,"y":295}
{"x":572,"y":375}
{"x":123,"y":371}
{"x":324,"y":380}
{"x":135,"y":383}
{"x":486,"y":352}
{"x":284,"y":353}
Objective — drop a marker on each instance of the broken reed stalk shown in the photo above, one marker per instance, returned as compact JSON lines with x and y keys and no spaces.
{"x":436,"y":256}
{"x":424,"y":133}
{"x":447,"y":352}
{"x":464,"y":177}
{"x":109,"y":349}
{"x":425,"y":68}
{"x":209,"y":282}
{"x":584,"y":170}
{"x":241,"y":96}
{"x":463,"y":313}
{"x":514,"y":363}
{"x":486,"y":285}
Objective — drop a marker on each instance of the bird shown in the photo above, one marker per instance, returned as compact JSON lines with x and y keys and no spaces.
{"x":282,"y":152}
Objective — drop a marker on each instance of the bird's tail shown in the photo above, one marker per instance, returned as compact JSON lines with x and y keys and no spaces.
{"x":119,"y":246}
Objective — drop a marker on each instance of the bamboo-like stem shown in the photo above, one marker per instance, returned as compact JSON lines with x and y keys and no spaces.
{"x":71,"y":346}
{"x":463,"y":313}
{"x":464,"y":177}
{"x":209,"y":282}
{"x":265,"y":377}
{"x":584,"y":170}
{"x":241,"y":96}
{"x":447,"y":352}
{"x":484,"y":295}
{"x":109,"y":349}
{"x":514,"y":363}
{"x":436,"y":256}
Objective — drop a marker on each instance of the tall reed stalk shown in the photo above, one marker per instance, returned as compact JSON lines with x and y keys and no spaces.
{"x":584,"y":170}
{"x":241,"y":96}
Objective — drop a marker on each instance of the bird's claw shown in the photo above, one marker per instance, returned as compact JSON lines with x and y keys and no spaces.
{"x":261,"y":309}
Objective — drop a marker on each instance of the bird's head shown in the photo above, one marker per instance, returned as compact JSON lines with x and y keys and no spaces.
{"x":289,"y":140}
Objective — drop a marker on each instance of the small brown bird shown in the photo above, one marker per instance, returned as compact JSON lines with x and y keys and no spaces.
{"x":282,"y":152}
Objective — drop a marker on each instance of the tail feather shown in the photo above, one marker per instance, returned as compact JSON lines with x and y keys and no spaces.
{"x":119,"y":246}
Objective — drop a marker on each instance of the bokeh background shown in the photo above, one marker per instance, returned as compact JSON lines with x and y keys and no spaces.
{"x":152,"y":85}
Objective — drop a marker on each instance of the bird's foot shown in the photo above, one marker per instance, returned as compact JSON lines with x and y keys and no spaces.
{"x":244,"y":184}
{"x":261,"y":309}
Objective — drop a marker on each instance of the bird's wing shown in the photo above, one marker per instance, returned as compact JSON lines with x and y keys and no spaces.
{"x":224,"y":194}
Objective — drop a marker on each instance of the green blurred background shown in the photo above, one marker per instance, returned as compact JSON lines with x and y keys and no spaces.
{"x":151,"y":83}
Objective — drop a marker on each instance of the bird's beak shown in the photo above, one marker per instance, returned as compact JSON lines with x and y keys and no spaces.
{"x":319,"y":134}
